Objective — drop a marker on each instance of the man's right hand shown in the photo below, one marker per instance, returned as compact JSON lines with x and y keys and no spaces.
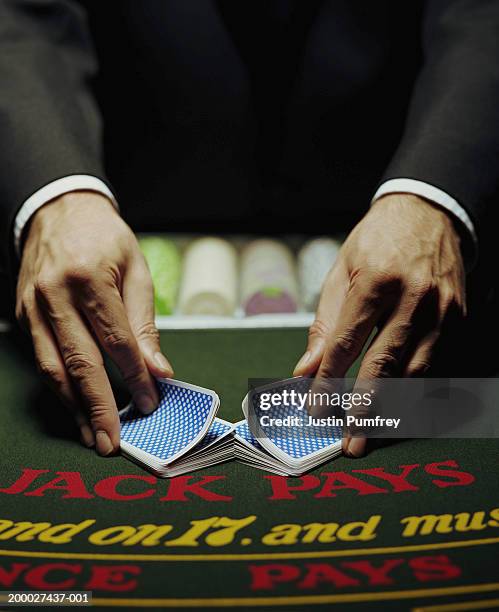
{"x":84,"y":285}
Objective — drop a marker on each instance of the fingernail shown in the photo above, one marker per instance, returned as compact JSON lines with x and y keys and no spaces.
{"x":163,"y":363}
{"x":144,"y":403}
{"x":357,"y":447}
{"x":87,"y":436}
{"x":303,"y":361}
{"x":103,"y":443}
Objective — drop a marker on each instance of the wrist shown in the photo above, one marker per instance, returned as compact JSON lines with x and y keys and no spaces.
{"x":69,"y":207}
{"x":417,"y":209}
{"x":74,"y":202}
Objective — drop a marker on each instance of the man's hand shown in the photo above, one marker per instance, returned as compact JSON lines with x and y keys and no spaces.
{"x":399,"y":271}
{"x":84,"y":284}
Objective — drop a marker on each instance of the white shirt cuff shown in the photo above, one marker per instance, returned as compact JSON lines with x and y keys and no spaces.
{"x":429,"y":192}
{"x":75,"y":182}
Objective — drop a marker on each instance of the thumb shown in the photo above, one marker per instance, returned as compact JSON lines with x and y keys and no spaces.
{"x":138,"y":297}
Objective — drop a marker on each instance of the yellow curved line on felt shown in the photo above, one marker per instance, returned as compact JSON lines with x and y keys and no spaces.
{"x":319,"y":554}
{"x":482,"y":604}
{"x":294,"y":600}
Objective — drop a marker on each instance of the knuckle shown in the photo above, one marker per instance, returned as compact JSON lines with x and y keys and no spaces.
{"x":318,"y":329}
{"x":24,"y":305}
{"x":117,"y":342}
{"x":148,"y":331}
{"x":79,"y":273}
{"x":20,"y":313}
{"x":418,"y":368}
{"x":380,"y":279}
{"x":420,"y":287}
{"x":99,"y":413}
{"x":80,"y":366}
{"x":451,"y":304}
{"x":45,"y":285}
{"x":27,"y":297}
{"x":375,"y":286}
{"x":381,"y":365}
{"x":346,"y":342}
{"x":51,"y":372}
{"x":399,"y":332}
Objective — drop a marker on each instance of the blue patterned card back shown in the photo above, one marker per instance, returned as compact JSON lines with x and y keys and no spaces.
{"x":183,"y":416}
{"x":298,"y":440}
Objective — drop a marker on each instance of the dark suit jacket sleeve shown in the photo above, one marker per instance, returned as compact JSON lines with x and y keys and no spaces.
{"x":49,"y":121}
{"x":451,"y":139}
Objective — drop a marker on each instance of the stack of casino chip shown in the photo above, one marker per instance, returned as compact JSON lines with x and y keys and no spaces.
{"x":265,"y":275}
{"x":209,"y":283}
{"x":268,"y":278}
{"x":315,"y":259}
{"x":164,"y":261}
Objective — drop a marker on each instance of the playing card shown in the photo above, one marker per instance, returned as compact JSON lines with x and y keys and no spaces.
{"x":182,"y":419}
{"x":283,"y":428}
{"x":248,"y":451}
{"x":217,"y":446}
{"x":183,"y":434}
{"x":218,"y":431}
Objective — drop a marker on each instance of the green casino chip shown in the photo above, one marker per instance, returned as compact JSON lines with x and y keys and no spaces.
{"x":163,"y":259}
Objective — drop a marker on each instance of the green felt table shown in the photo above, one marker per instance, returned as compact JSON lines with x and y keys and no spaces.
{"x":239,"y":537}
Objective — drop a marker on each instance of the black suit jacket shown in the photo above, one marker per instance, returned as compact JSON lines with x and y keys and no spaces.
{"x":213,"y":115}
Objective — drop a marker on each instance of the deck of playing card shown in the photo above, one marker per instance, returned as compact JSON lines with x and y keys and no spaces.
{"x":247,"y":450}
{"x":284,"y":441}
{"x":181,"y":435}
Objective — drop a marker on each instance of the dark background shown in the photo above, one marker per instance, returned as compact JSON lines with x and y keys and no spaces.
{"x":265,"y":118}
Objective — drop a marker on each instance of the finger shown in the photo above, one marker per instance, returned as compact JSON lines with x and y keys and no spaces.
{"x":354,"y":446}
{"x":386,"y":357}
{"x":367,"y":300}
{"x":51,"y":367}
{"x":447,"y":314}
{"x":138,"y":298}
{"x":83,"y":363}
{"x":103,"y":307}
{"x":420,"y":361}
{"x":332,"y":296}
